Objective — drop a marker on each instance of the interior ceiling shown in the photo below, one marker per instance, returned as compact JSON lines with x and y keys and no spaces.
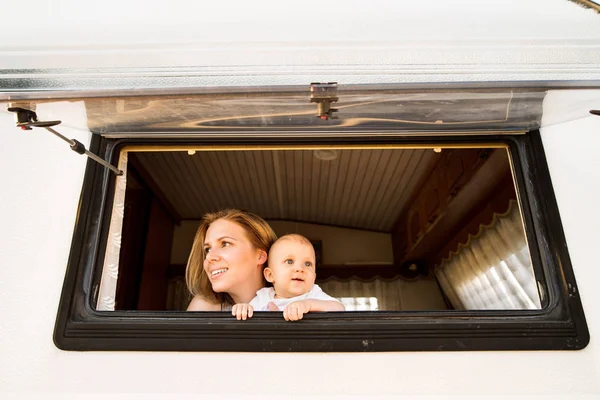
{"x":362,"y":189}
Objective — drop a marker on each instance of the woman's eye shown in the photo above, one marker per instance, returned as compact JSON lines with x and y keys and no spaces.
{"x":289,"y":261}
{"x":225,"y":244}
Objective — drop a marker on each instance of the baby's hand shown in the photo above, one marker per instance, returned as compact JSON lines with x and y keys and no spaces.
{"x":296,"y":310}
{"x":242,"y":311}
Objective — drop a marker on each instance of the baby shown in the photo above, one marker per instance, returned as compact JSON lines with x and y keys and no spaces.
{"x":292,"y":272}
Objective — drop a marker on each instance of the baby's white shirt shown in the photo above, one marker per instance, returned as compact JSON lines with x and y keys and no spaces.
{"x":267,"y":294}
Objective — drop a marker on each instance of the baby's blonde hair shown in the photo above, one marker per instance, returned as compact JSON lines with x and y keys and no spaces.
{"x":290,"y":236}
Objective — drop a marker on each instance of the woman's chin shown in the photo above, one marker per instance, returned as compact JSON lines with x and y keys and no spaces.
{"x":220,"y":286}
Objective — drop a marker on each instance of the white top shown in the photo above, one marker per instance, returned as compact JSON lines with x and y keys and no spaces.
{"x":267,"y":294}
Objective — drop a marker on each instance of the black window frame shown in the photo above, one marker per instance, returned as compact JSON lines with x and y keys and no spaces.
{"x":559,"y":325}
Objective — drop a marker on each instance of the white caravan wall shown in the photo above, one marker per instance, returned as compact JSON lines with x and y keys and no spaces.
{"x":40,"y":178}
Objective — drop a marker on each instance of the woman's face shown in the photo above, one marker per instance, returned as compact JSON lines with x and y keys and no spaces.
{"x":231,"y":261}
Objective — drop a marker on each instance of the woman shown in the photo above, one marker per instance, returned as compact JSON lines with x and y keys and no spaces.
{"x":226,"y":263}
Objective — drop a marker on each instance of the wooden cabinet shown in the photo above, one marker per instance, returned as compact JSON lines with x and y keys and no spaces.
{"x":442,"y":192}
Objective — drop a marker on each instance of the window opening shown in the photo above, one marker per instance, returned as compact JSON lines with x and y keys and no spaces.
{"x":388,"y":223}
{"x":432,"y":187}
{"x":411,"y":185}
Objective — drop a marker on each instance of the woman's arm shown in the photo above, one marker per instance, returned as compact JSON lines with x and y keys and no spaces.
{"x":199,"y":303}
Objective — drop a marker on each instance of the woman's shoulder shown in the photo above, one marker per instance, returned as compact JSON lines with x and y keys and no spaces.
{"x":199,"y":303}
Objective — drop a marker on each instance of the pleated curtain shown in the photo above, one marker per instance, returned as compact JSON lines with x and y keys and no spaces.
{"x":493,"y":270}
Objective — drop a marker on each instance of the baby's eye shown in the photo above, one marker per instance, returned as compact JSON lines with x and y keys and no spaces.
{"x":308,"y":264}
{"x":289,"y":261}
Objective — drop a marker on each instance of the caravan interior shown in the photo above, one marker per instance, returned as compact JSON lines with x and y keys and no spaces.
{"x":383,"y":219}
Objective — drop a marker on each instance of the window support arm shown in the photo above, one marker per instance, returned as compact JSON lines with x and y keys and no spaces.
{"x":26,"y":119}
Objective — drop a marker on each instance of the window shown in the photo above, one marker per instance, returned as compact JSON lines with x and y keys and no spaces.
{"x":382,"y":219}
{"x":410,"y":224}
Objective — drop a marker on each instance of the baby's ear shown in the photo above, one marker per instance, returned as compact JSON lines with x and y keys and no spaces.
{"x":268,"y":274}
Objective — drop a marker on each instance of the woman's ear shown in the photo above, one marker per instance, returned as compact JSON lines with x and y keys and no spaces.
{"x":262,"y":257}
{"x":268,"y":274}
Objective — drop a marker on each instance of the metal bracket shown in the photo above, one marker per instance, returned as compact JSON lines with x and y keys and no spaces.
{"x":324,"y":94}
{"x":595,"y":112}
{"x":27,"y":120}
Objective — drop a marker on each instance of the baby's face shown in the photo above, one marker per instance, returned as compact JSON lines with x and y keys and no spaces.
{"x":291,"y":268}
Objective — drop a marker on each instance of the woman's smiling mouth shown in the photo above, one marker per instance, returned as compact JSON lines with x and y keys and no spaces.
{"x":218,"y":272}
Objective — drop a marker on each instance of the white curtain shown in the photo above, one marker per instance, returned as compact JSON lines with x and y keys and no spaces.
{"x":493,"y":269}
{"x":110,"y":269}
{"x":365,"y":295}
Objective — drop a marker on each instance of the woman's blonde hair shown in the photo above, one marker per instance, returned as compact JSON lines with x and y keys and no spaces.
{"x":258,"y":232}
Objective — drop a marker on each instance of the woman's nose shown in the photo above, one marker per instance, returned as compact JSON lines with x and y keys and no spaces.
{"x":213,"y":255}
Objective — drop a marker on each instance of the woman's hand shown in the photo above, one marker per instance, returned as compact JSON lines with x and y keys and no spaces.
{"x":296,"y":310}
{"x":242,"y":311}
